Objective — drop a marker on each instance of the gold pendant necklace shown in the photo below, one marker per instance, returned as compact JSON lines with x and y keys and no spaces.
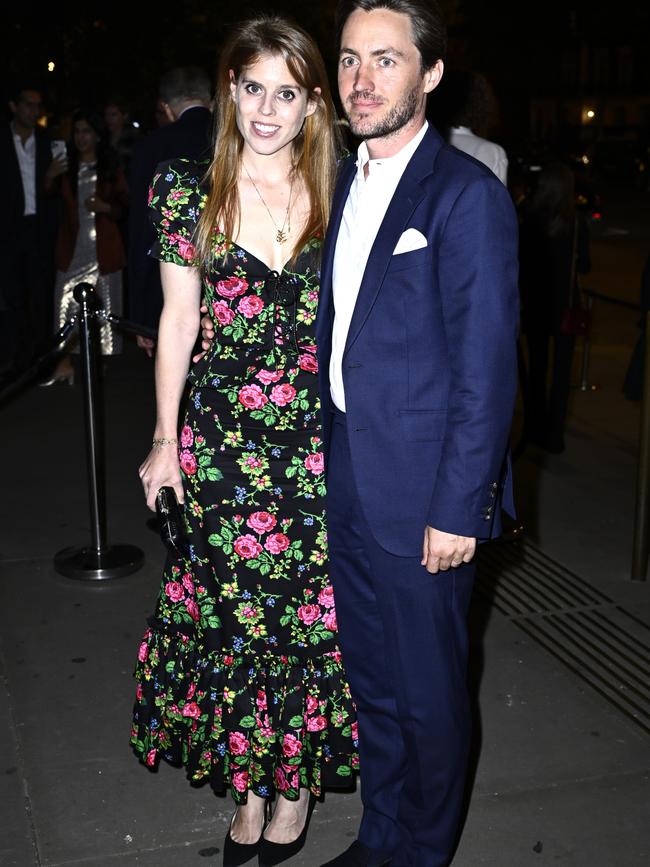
{"x":280,"y":235}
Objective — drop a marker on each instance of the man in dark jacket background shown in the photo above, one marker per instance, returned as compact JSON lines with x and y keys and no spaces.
{"x":28,"y":220}
{"x":185,"y":94}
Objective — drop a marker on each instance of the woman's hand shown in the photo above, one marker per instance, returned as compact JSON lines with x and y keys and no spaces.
{"x":160,"y":468}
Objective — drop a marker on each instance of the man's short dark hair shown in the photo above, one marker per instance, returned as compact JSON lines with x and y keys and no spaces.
{"x":427,"y":22}
{"x":185,"y":83}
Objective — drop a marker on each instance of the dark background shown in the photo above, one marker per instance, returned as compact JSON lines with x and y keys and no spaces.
{"x":545,"y":62}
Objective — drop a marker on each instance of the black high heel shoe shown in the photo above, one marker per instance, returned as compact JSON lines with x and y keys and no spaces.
{"x":235,"y":854}
{"x":275,"y":853}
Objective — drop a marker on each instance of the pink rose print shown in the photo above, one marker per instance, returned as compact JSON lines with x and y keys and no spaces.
{"x":192,"y":609}
{"x":186,"y":249}
{"x":192,"y":710}
{"x":291,"y":746}
{"x":232,"y":287}
{"x":312,"y":704}
{"x":238,"y":743}
{"x":247,"y":546}
{"x":276,"y":543}
{"x":188,"y":463}
{"x":316,"y":724}
{"x":139,"y":692}
{"x":308,"y":362}
{"x":261,"y":522}
{"x":188,"y":584}
{"x":222,"y":313}
{"x":355,"y":731}
{"x":269,"y":376}
{"x":326,"y":597}
{"x":151,"y":758}
{"x":280,"y":779}
{"x":240,"y":780}
{"x":329,"y":620}
{"x":283,"y":394}
{"x":308,"y":614}
{"x":143,"y":652}
{"x":260,"y":701}
{"x":250,"y":306}
{"x":191,"y":691}
{"x":174,"y":590}
{"x":315,"y":463}
{"x":187,"y":437}
{"x":252,"y":397}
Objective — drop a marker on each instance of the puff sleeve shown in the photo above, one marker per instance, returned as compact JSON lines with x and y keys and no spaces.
{"x":175,"y":204}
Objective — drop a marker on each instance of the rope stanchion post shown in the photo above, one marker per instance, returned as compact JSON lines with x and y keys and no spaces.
{"x":99,"y":561}
{"x":641,"y":547}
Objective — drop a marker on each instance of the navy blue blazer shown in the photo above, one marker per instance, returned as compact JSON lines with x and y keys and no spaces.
{"x":430,"y":363}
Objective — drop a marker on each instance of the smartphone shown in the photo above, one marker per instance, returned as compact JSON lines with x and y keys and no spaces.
{"x":59,"y":150}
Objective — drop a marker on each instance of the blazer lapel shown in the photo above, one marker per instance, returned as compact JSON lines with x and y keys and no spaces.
{"x":325,"y":306}
{"x":407,"y":197}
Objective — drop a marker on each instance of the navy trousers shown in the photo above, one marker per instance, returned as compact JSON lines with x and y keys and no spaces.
{"x":403,"y":635}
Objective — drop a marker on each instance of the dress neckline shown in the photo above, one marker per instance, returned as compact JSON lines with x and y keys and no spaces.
{"x":261,"y":261}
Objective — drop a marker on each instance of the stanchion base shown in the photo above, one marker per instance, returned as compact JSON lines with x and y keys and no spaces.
{"x":86,"y":564}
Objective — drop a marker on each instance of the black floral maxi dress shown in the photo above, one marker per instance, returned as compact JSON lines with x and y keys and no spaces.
{"x":239,"y":674}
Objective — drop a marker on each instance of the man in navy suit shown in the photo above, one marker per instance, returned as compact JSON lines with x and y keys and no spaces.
{"x":185,"y":95}
{"x":417,"y":329}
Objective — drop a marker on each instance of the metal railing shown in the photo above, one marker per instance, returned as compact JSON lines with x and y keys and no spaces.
{"x":99,"y":560}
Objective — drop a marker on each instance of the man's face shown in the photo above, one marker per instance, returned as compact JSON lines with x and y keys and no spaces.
{"x":27,"y":109}
{"x":381,"y":83}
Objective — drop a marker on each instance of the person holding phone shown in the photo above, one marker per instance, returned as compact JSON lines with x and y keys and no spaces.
{"x":89,"y":245}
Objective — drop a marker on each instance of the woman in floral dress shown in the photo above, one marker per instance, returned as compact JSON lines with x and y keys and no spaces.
{"x":239,"y":675}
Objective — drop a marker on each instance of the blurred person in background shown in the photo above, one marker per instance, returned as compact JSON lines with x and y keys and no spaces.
{"x":185,"y":94}
{"x":89,"y":245}
{"x":28,"y":220}
{"x":554,"y":249}
{"x":466,"y":108}
{"x":121,"y":135}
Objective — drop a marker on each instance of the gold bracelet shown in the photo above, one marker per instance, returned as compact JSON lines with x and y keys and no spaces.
{"x":159,"y":442}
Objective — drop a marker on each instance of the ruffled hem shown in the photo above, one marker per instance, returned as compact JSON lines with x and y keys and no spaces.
{"x":265,"y":724}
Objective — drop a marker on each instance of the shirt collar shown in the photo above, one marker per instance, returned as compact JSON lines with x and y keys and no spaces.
{"x":395,"y":164}
{"x":17,"y":137}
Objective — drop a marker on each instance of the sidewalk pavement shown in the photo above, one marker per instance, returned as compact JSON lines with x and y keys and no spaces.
{"x":560,"y":676}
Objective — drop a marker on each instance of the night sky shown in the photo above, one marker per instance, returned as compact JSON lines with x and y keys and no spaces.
{"x":101,"y":50}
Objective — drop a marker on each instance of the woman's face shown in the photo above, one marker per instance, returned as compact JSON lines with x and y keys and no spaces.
{"x":270,"y":105}
{"x":85,"y":137}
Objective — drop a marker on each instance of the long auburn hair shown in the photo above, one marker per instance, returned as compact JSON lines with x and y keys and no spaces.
{"x":315,"y":149}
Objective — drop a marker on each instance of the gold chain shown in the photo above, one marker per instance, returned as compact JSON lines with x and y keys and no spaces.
{"x":280,"y":235}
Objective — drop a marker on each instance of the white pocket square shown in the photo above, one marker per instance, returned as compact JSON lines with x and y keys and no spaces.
{"x":411,"y":240}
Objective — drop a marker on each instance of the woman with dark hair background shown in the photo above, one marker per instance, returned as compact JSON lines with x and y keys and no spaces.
{"x":89,"y":246}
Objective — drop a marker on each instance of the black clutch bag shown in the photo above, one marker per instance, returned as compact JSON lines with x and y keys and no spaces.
{"x":172,"y":524}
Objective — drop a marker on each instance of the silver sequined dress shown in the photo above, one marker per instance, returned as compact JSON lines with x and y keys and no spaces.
{"x":84,"y":269}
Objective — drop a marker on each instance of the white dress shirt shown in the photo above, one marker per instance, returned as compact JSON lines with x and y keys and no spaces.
{"x":370,"y":195}
{"x":487,"y":152}
{"x":27,"y":161}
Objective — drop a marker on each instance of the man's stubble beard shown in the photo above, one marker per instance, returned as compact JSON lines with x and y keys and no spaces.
{"x":393,"y":122}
